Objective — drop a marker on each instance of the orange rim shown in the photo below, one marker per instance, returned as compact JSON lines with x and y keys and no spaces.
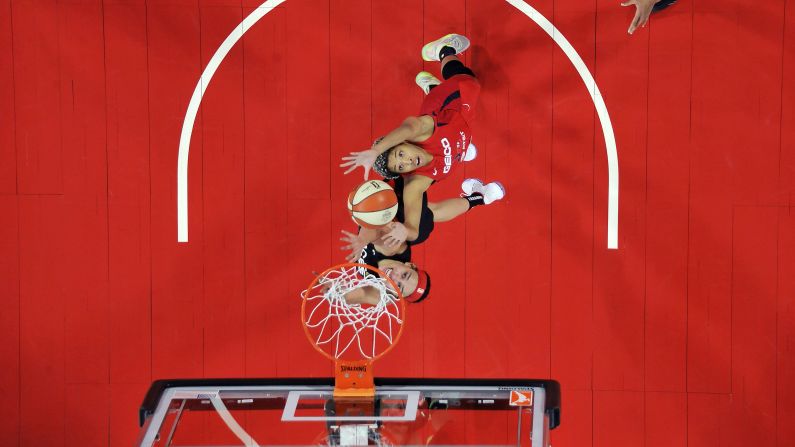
{"x":401,"y":301}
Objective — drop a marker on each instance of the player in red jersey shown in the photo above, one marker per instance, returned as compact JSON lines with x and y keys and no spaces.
{"x":425,"y":148}
{"x":439,"y":136}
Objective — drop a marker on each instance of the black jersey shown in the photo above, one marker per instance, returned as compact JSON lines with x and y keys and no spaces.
{"x":372,"y":257}
{"x":662,"y":4}
{"x":426,"y":218}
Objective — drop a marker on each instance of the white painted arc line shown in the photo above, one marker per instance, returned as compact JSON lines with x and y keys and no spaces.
{"x":601,"y":110}
{"x":529,"y":11}
{"x":193,"y":110}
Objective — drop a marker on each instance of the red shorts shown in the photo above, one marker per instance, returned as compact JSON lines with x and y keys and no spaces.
{"x":469,"y":89}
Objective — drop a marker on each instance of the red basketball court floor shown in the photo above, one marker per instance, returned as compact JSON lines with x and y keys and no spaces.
{"x":685,"y":335}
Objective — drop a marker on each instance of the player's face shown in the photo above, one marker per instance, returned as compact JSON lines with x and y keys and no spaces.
{"x":404,"y":277}
{"x":405,"y":158}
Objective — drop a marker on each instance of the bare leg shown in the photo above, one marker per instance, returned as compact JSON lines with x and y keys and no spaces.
{"x":449,"y":209}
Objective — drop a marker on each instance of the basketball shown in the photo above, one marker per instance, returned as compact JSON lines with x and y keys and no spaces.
{"x":373,"y":204}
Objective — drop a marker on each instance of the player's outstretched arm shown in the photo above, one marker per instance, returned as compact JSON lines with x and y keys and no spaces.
{"x":412,"y":211}
{"x":355,"y":243}
{"x":413,"y":128}
{"x":643,"y":9}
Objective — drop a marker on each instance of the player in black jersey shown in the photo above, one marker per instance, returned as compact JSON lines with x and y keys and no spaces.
{"x":414,"y":284}
{"x":389,"y":236}
{"x":381,"y":249}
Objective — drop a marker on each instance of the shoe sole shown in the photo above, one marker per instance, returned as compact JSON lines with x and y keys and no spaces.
{"x":430,"y":52}
{"x":471,"y":192}
{"x":502,"y":188}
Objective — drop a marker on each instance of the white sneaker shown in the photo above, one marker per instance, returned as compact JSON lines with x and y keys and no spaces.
{"x":471,"y":152}
{"x":430,"y":52}
{"x":491,"y":191}
{"x":426,"y":80}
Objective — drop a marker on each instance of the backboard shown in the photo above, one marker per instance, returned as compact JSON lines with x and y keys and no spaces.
{"x":302,"y":412}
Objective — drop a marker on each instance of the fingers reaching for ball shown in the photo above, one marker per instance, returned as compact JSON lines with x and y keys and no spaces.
{"x":355,"y":245}
{"x":365,"y":159}
{"x":396,"y":236}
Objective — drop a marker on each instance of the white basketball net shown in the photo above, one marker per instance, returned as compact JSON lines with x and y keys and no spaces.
{"x":339,"y":327}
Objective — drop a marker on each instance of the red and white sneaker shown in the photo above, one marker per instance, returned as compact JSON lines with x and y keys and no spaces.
{"x":491,"y":191}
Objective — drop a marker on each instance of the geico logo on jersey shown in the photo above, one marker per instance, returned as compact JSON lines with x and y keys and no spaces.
{"x":448,"y":158}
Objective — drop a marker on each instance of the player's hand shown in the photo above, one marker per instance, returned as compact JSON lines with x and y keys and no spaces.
{"x":324,"y":288}
{"x":396,"y":236}
{"x":319,"y":287}
{"x":365,"y":159}
{"x":354,"y":243}
{"x":643,"y":9}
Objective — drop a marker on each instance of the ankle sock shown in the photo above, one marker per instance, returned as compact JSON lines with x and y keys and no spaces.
{"x":475,"y":199}
{"x":446,"y":51}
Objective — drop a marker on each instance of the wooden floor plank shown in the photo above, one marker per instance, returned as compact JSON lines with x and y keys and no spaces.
{"x":85,"y":181}
{"x":129,"y":194}
{"x":573,"y":154}
{"x":42,"y":299}
{"x":10,"y":319}
{"x":785,"y":329}
{"x":86,"y":411}
{"x":177,"y":282}
{"x":618,"y":418}
{"x":667,"y":200}
{"x":308,"y":100}
{"x":578,"y":428}
{"x":223,"y":195}
{"x":37,"y":98}
{"x":124,"y":400}
{"x":665,"y":422}
{"x":308,"y":166}
{"x":504,"y":144}
{"x":8,"y":152}
{"x":265,"y":195}
{"x":527,"y":174}
{"x":786,"y":175}
{"x":622,"y":74}
{"x":708,"y":419}
{"x":754,"y":281}
{"x":710,"y":224}
{"x":785,"y":337}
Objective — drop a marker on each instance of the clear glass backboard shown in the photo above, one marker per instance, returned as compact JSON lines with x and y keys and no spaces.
{"x":293,"y":412}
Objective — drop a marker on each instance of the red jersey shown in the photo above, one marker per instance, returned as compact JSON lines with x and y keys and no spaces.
{"x":452,"y":107}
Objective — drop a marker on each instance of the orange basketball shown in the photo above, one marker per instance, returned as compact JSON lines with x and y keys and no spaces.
{"x":373,"y":204}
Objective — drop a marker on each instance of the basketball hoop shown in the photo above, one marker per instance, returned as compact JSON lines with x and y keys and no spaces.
{"x":352,"y":335}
